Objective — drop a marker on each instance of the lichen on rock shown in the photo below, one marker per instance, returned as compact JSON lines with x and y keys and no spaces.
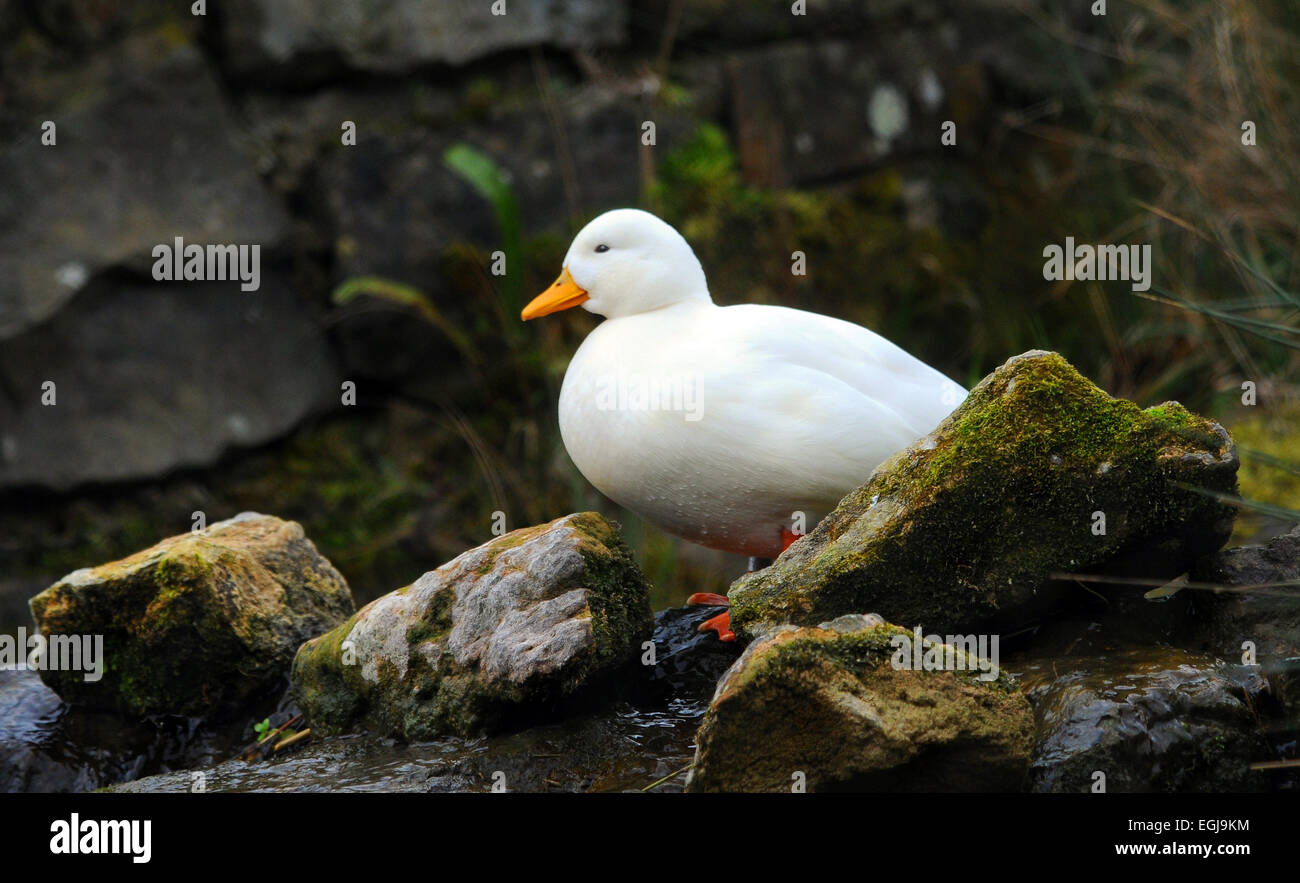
{"x":826,"y":708}
{"x":512,"y":627}
{"x":964,"y":528}
{"x":199,"y":624}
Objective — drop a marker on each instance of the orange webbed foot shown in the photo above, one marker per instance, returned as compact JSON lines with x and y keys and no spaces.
{"x":707,"y":599}
{"x":720,"y":624}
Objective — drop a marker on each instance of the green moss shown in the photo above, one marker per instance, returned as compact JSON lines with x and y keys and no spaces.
{"x":965,"y":528}
{"x":436,"y":621}
{"x":862,"y":653}
{"x":177,"y":641}
{"x":832,"y":706}
{"x":618,"y":594}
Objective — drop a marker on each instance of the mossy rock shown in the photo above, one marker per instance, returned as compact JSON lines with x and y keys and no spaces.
{"x":826,"y":708}
{"x":200,"y":624}
{"x":507,"y":630}
{"x":964,"y":529}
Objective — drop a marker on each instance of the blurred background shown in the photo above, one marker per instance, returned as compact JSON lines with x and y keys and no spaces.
{"x":478,"y":133}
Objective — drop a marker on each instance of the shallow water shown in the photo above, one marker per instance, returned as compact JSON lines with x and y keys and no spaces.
{"x":626,"y":745}
{"x":626,"y":748}
{"x":1122,"y":662}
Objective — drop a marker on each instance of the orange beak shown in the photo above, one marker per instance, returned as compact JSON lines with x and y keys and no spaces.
{"x":564,"y":293}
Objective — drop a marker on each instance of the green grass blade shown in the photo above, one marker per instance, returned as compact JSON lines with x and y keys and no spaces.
{"x":408,"y":296}
{"x":1279,"y":512}
{"x":1270,"y":460}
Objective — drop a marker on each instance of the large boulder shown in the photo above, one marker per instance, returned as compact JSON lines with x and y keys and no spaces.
{"x":200,"y":624}
{"x":508,"y":629}
{"x":827,"y":708}
{"x":1147,"y":719}
{"x":965,"y":528}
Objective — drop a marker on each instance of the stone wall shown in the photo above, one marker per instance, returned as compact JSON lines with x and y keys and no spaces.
{"x":226,"y":128}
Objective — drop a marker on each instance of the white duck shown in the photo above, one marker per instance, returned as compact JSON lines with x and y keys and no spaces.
{"x":734,"y":427}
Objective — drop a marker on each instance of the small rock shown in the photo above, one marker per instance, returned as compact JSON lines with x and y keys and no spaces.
{"x":827,"y":709}
{"x":689,"y":662}
{"x":513,"y":626}
{"x":965,"y":528}
{"x":29,"y":712}
{"x":853,"y":622}
{"x":1267,"y":619}
{"x":199,"y":624}
{"x":1149,"y":720}
{"x":47,"y":746}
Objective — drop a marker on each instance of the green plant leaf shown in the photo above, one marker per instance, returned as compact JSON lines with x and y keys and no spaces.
{"x":481,"y":173}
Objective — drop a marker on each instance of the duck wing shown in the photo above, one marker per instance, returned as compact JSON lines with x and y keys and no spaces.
{"x":814,"y":391}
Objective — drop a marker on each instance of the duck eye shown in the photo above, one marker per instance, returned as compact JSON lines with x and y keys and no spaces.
{"x":602,"y":248}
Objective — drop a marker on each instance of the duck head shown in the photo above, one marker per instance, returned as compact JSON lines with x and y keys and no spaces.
{"x":624,"y":262}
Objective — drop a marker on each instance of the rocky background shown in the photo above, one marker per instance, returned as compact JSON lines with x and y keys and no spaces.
{"x":525,"y":654}
{"x":773,"y":132}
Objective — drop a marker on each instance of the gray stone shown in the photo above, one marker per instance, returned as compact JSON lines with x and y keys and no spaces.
{"x":147,"y":150}
{"x":156,"y":376}
{"x":809,"y":112}
{"x":397,"y":209}
{"x":1267,"y":618}
{"x":741,"y":21}
{"x":517,"y":624}
{"x":1148,"y":719}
